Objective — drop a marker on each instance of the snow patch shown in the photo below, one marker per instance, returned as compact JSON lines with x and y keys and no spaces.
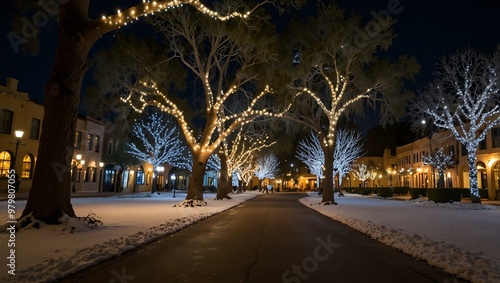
{"x":47,"y":254}
{"x":452,"y":258}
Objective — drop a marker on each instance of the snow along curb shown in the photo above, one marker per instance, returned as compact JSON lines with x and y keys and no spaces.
{"x":447,"y":257}
{"x":58,"y":268}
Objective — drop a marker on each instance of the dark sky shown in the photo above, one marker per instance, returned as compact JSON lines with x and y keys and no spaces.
{"x":427,"y":29}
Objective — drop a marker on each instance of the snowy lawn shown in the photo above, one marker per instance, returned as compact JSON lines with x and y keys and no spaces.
{"x":53,"y":252}
{"x":461,"y":238}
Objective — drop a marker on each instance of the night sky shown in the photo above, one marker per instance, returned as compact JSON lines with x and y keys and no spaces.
{"x":427,"y":29}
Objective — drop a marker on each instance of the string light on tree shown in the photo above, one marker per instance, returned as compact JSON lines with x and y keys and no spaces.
{"x":158,"y":143}
{"x":463,"y":98}
{"x":440,"y":161}
{"x":149,"y":8}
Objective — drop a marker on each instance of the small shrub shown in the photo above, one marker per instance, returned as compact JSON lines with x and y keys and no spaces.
{"x":444,"y":195}
{"x":401,"y":190}
{"x":465,"y":192}
{"x":384,"y":192}
{"x":417,"y":192}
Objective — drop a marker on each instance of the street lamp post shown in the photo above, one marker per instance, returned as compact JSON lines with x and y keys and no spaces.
{"x":172,"y":178}
{"x":19,"y":135}
{"x":75,"y":168}
{"x":101,"y":165}
{"x":156,"y":174}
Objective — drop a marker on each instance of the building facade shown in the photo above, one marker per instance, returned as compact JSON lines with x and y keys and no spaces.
{"x":18,"y":114}
{"x":412,"y":172}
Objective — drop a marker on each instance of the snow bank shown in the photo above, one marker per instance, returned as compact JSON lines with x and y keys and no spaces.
{"x":376,"y":218}
{"x":53,"y":252}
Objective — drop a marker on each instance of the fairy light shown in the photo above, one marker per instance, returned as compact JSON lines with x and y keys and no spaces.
{"x":473,"y":85}
{"x":149,"y":8}
{"x":149,"y":95}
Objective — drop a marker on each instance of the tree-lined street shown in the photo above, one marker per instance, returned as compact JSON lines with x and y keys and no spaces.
{"x":272,"y":238}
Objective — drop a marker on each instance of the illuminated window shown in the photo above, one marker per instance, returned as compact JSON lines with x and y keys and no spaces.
{"x":86,"y":174}
{"x":27,"y":167}
{"x":140,"y":176}
{"x":5,"y":159}
{"x":93,"y":174}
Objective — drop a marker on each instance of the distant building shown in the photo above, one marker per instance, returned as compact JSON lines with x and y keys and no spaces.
{"x":19,"y":113}
{"x":413,"y":173}
{"x":86,"y":164}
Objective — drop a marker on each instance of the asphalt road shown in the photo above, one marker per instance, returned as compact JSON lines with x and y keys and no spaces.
{"x":271,"y":238}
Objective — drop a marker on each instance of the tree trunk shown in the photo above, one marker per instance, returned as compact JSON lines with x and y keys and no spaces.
{"x":474,"y":191}
{"x":440,"y":183}
{"x":195,"y":188}
{"x":153,"y":181}
{"x":119,"y":181}
{"x":224,"y":184}
{"x":328,"y":197}
{"x":50,"y":194}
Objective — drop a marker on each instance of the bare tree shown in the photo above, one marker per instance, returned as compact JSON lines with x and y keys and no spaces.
{"x":309,"y":151}
{"x":221,"y":55}
{"x":340,"y":74}
{"x":464,"y":98}
{"x":245,"y":172}
{"x":348,"y":148}
{"x":362,"y":173}
{"x":49,"y":196}
{"x":157,"y":143}
{"x":440,"y":161}
{"x":237,"y":152}
{"x":266,"y":167}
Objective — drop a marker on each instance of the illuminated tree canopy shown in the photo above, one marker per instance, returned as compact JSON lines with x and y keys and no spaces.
{"x":50,"y":196}
{"x":464,"y":97}
{"x":222,"y":57}
{"x":339,"y":74}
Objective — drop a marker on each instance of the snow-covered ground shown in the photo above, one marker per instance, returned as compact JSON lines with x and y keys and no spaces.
{"x":461,"y":238}
{"x":53,"y":252}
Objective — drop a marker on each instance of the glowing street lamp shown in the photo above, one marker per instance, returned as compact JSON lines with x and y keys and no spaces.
{"x":19,"y":135}
{"x":78,"y":162}
{"x":172,"y":177}
{"x":101,"y":165}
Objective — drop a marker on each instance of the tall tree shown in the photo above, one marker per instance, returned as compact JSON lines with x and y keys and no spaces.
{"x":464,"y":97}
{"x":157,"y":142}
{"x":222,"y":57}
{"x":340,"y":73}
{"x":49,"y":196}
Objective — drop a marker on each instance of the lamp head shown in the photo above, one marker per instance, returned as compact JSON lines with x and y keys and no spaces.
{"x":19,"y":134}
